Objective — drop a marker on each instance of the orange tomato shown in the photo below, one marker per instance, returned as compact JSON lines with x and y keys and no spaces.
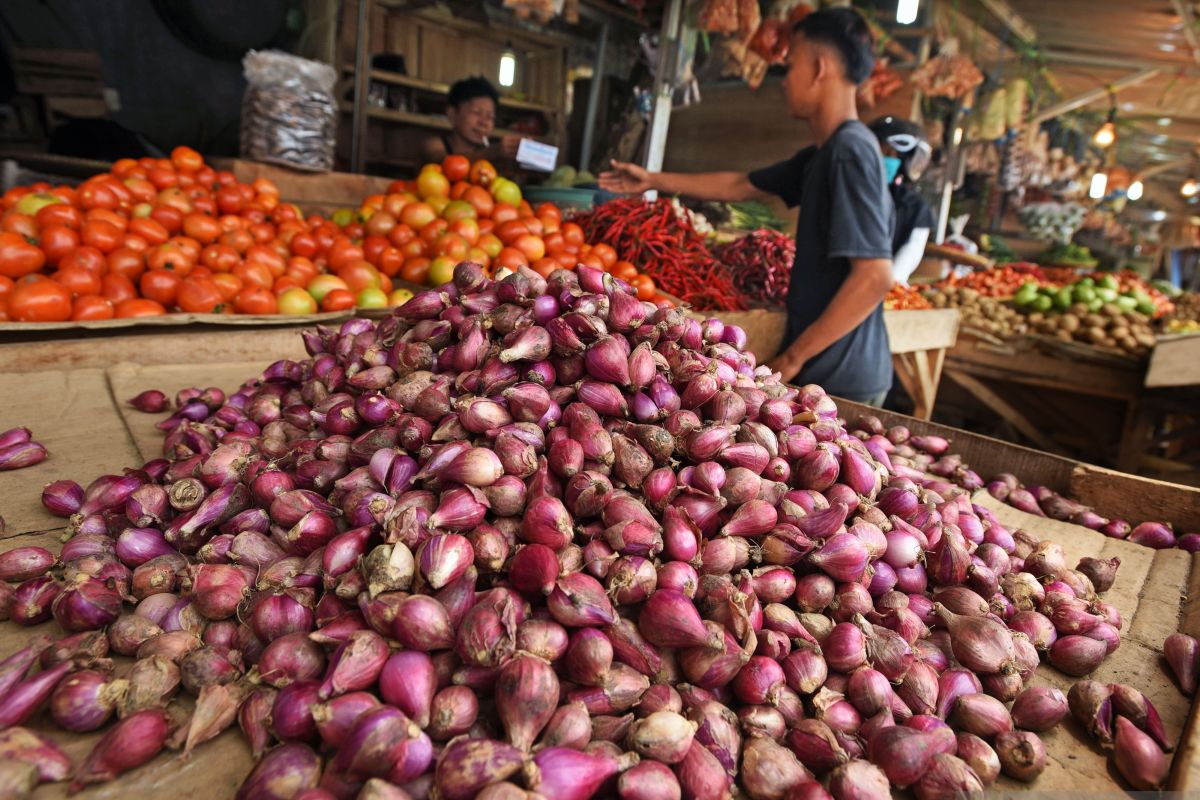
{"x":88,"y":258}
{"x":239,"y":239}
{"x":39,"y":301}
{"x":510,"y":231}
{"x":532,"y":246}
{"x":452,"y":246}
{"x":503,"y":212}
{"x":304,"y":244}
{"x":186,"y":159}
{"x":343,"y":252}
{"x":92,"y":306}
{"x":229,"y":285}
{"x":296,"y":301}
{"x":255,"y":300}
{"x":139,"y":307}
{"x":572,"y":234}
{"x":78,"y":281}
{"x":644,"y":285}
{"x":220,"y":257}
{"x":359,"y":275}
{"x":169,"y":217}
{"x":18,"y":257}
{"x":592,"y":261}
{"x":511,"y":258}
{"x":468,"y":229}
{"x":150,"y":229}
{"x":58,"y":214}
{"x":544,"y":266}
{"x":6,"y":285}
{"x":202,"y":228}
{"x":554,"y":243}
{"x":169,"y":256}
{"x":199,"y":296}
{"x":390,"y":261}
{"x":481,"y":200}
{"x":272,"y":260}
{"x":625,"y":271}
{"x":253,"y":273}
{"x":606,"y":254}
{"x":102,"y":235}
{"x":415,"y":270}
{"x":57,"y":241}
{"x":482,"y":172}
{"x":433,"y":230}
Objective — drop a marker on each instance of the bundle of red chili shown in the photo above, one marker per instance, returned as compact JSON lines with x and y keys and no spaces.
{"x":655,"y":240}
{"x":761,"y":265}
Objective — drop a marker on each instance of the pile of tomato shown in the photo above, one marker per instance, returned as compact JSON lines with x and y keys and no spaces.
{"x":158,"y":236}
{"x":460,"y":210}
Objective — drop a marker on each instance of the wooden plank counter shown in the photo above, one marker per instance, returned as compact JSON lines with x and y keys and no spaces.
{"x":79,"y":414}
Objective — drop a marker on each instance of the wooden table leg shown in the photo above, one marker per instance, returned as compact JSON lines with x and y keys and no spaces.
{"x":1006,"y":411}
{"x":1139,"y":421}
{"x":920,"y":372}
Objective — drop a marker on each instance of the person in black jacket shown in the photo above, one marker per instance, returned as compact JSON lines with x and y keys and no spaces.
{"x":905,"y":156}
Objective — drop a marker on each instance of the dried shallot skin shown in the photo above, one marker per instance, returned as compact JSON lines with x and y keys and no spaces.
{"x":531,"y":536}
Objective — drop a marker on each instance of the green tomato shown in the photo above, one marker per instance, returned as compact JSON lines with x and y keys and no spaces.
{"x":1062,"y":299}
{"x":372,"y":297}
{"x":1083,"y":293}
{"x":1042,"y":303}
{"x":32,"y":203}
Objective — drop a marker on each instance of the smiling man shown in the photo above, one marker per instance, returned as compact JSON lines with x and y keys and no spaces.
{"x":835,"y":332}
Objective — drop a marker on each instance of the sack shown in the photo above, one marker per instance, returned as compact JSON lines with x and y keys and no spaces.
{"x":289,"y":115}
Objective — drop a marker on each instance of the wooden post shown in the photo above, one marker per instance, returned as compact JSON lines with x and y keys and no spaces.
{"x":362,"y":77}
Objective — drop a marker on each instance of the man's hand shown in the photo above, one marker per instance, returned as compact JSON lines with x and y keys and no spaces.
{"x":625,"y":178}
{"x":509,"y":145}
{"x":788,"y":366}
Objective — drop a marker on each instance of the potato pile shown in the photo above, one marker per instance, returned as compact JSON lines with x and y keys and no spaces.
{"x":980,"y":312}
{"x":1111,"y":327}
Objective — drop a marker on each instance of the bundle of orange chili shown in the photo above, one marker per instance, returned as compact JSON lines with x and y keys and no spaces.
{"x":659,"y":243}
{"x":761,"y":265}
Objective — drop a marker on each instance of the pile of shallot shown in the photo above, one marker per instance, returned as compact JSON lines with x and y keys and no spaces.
{"x":537,"y":538}
{"x":1045,"y":502}
{"x":18,"y":449}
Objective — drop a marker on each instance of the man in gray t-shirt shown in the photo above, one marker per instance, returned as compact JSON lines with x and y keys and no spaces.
{"x":835,"y":332}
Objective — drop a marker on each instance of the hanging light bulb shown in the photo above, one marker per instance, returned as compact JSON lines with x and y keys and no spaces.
{"x":508,"y":66}
{"x":1107,"y":134}
{"x":1189,"y":187}
{"x":1134,"y":192}
{"x":1099,"y":185}
{"x":906,"y":11}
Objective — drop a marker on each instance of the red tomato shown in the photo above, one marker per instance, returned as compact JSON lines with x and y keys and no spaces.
{"x":92,"y":306}
{"x":255,"y":300}
{"x":139,"y":307}
{"x":57,"y":242}
{"x":199,"y":296}
{"x":78,"y":281}
{"x":18,"y":257}
{"x":160,"y":285}
{"x":59,"y":214}
{"x":39,"y":301}
{"x":117,"y":287}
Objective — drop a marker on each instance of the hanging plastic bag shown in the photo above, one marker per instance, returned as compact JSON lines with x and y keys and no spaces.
{"x":289,"y":115}
{"x":719,"y":16}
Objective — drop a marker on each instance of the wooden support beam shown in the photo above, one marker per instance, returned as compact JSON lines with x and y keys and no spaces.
{"x":1004,"y":410}
{"x":1009,"y":18}
{"x":1091,"y":96}
{"x":1188,"y":17}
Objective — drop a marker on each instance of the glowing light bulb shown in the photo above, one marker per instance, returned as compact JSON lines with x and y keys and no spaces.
{"x":508,"y":68}
{"x":1134,"y":192}
{"x":1099,"y":185}
{"x":906,"y":11}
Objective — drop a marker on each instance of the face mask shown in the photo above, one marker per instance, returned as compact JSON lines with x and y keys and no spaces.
{"x":891,"y":165}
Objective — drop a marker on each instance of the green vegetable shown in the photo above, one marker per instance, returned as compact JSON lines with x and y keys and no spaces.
{"x":1106,"y":294}
{"x":1126,"y":303}
{"x":1084,"y":293}
{"x":1063,"y":299}
{"x":1109,"y":282}
{"x":1042,"y":303}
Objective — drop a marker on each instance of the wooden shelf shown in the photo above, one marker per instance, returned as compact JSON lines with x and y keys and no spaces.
{"x":432,"y":121}
{"x":397,"y":79}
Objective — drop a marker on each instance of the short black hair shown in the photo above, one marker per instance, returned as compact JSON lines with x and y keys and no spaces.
{"x":470,"y":88}
{"x":845,"y":30}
